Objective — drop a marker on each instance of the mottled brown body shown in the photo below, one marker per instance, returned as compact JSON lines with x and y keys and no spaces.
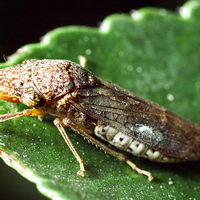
{"x":98,"y":109}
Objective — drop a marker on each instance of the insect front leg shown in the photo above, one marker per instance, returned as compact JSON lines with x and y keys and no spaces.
{"x":28,"y":112}
{"x":59,"y":123}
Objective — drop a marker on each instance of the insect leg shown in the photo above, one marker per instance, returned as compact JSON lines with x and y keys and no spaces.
{"x":58,"y":123}
{"x":121,"y":157}
{"x":140,"y":171}
{"x":28,"y":112}
{"x":82,"y":60}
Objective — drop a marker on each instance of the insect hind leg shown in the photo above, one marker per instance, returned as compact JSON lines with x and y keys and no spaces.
{"x":67,"y":122}
{"x":140,"y":171}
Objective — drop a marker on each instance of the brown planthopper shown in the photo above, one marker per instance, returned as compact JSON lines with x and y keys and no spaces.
{"x":99,"y":110}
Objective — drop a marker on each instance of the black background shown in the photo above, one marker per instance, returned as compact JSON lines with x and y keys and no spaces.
{"x":23,"y":22}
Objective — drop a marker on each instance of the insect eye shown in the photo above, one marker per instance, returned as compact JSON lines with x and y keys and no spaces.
{"x":32,"y":99}
{"x":19,"y":84}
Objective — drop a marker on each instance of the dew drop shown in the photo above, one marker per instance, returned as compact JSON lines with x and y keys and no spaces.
{"x":88,"y":51}
{"x":170,"y":97}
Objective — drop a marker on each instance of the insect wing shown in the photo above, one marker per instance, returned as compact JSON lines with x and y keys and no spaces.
{"x":141,"y":120}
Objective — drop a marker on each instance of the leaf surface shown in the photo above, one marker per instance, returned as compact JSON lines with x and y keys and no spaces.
{"x":153,"y":53}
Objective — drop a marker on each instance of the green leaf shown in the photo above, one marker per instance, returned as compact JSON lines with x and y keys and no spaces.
{"x":153,"y":53}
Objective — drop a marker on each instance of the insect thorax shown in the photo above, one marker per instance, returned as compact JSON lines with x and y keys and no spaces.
{"x":128,"y":144}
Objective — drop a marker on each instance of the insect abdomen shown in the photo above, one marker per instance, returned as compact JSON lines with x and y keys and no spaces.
{"x":128,"y":144}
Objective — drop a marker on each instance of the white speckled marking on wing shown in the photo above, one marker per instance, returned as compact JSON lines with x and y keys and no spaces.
{"x":121,"y":141}
{"x":136,"y":148}
{"x":126,"y":143}
{"x":153,"y":155}
{"x":105,"y":132}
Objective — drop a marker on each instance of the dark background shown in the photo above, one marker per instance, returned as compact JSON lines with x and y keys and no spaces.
{"x":23,"y":22}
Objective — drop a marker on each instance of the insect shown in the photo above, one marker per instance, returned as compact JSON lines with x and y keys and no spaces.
{"x":99,"y":111}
